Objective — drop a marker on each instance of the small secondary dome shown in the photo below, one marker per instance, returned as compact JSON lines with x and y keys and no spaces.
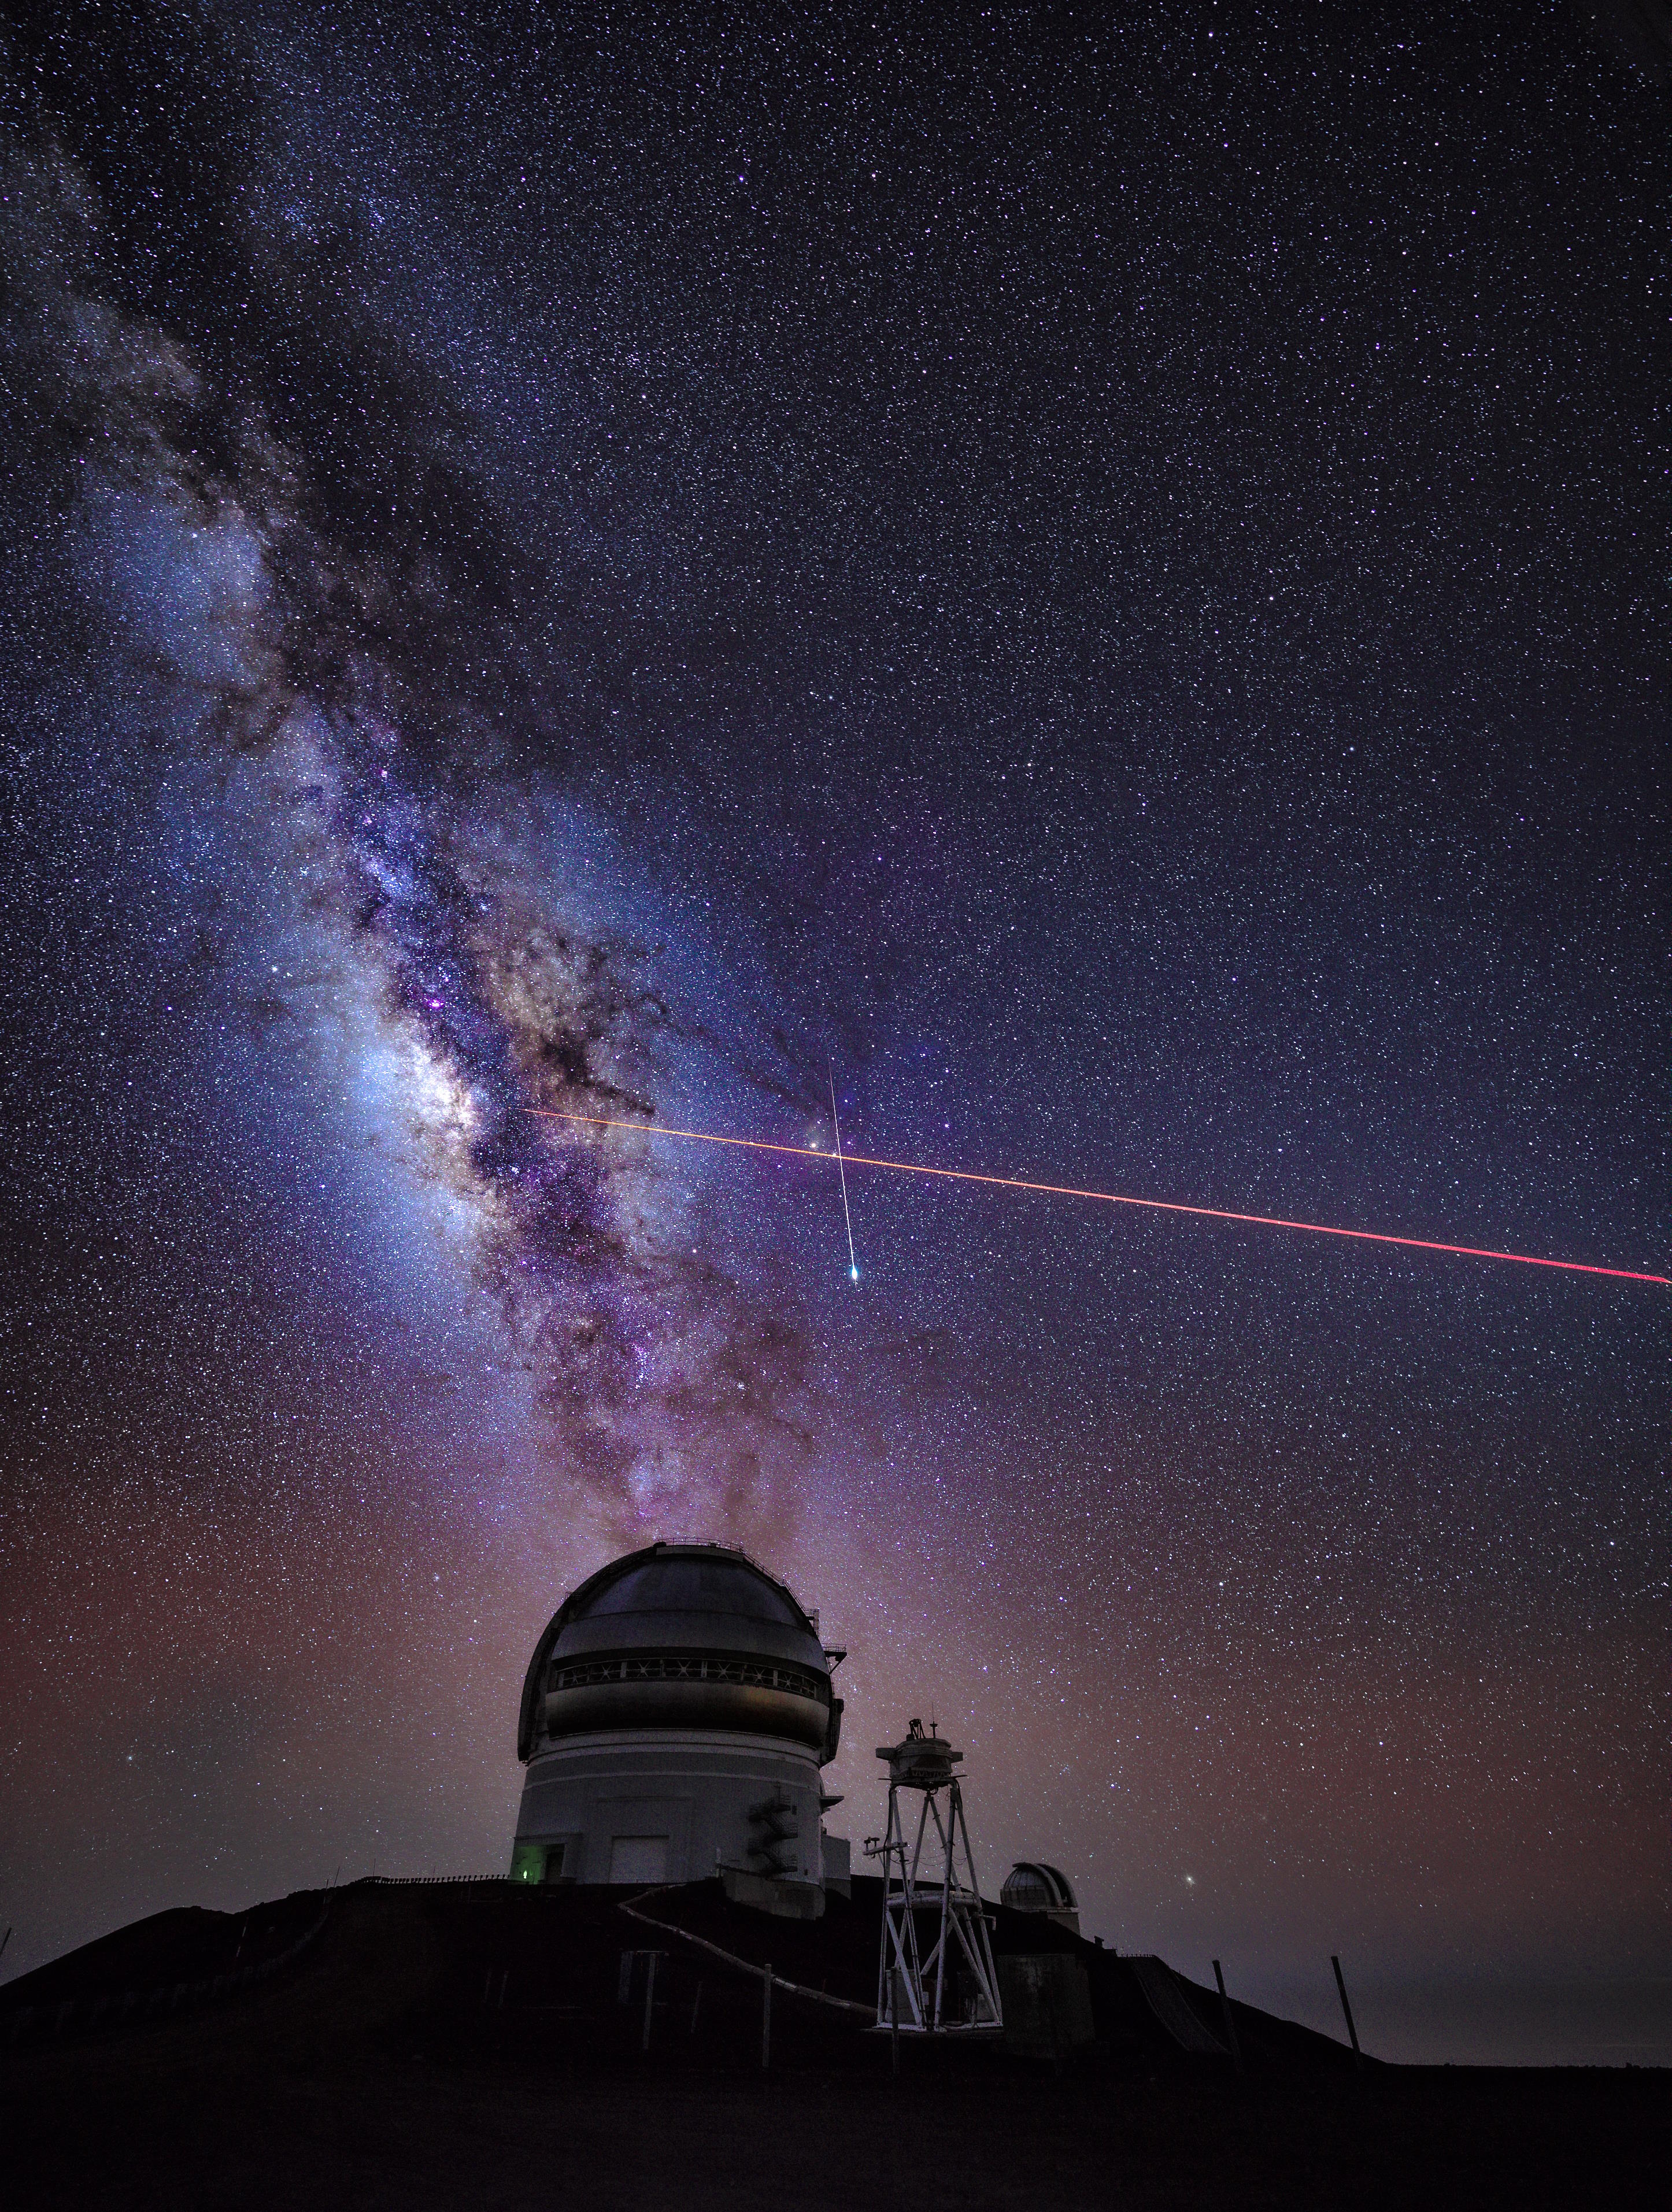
{"x":1032,"y":1887}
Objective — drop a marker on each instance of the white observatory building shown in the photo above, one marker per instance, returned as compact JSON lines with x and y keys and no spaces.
{"x":676,"y":1715}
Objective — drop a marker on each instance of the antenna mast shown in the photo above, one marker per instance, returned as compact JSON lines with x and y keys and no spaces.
{"x":933,"y":1915}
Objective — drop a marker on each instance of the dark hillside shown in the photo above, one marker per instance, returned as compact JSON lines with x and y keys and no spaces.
{"x":432,"y":2045}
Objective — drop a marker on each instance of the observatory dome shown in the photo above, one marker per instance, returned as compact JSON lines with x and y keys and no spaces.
{"x":674,"y":1717}
{"x":1031,"y":1885}
{"x":681,"y":1636}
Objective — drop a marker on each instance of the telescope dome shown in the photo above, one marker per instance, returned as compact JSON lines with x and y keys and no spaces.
{"x":1031,"y":1885}
{"x":680,"y":1636}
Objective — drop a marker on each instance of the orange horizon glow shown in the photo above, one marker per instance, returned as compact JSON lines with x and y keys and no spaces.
{"x":1101,"y":1197}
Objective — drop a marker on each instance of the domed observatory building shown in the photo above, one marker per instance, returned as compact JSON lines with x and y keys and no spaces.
{"x":675,"y":1717}
{"x":1032,"y":1887}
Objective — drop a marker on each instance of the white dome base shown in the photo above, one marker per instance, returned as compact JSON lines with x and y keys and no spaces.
{"x":650,"y":1805}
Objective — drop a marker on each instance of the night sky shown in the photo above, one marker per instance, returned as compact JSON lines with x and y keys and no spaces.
{"x":1104,"y":575}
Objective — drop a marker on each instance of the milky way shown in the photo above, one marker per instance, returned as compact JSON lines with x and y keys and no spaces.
{"x":667,"y":1394}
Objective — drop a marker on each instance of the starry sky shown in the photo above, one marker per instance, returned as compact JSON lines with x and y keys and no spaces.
{"x":1102,"y":576}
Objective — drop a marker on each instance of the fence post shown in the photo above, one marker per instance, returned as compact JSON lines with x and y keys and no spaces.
{"x":1352,"y":2032}
{"x":1230,"y":2023}
{"x":766,"y":2017}
{"x":651,"y":1958}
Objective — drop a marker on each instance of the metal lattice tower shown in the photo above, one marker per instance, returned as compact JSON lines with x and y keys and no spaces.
{"x":936,"y":1957}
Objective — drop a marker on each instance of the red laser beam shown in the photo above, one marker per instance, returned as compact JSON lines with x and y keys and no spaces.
{"x":1104,"y":1197}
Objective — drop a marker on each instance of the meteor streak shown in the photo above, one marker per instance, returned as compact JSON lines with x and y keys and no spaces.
{"x":1103,"y":1197}
{"x":842,"y":1165}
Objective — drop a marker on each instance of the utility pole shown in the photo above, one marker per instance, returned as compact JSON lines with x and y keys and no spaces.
{"x":766,"y":2018}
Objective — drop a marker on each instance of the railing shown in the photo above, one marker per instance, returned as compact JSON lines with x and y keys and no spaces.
{"x":673,"y":1666}
{"x":432,"y":1881}
{"x":763,"y":1974}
